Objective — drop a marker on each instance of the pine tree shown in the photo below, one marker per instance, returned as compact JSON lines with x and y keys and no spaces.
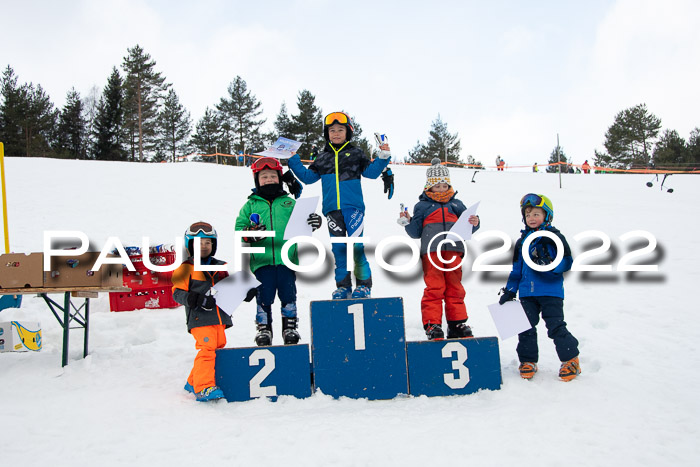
{"x":71,"y":130}
{"x":238,"y":114}
{"x":671,"y":151}
{"x":556,"y":156}
{"x":283,"y":125}
{"x":108,"y":131}
{"x":441,"y":144}
{"x":39,"y":121}
{"x":175,"y":126}
{"x":144,"y":88}
{"x":11,"y":111}
{"x":206,"y":137}
{"x":307,"y":125}
{"x":630,"y":138}
{"x":694,"y":147}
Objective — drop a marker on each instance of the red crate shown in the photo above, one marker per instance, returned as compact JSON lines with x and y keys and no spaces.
{"x":149,"y":289}
{"x":149,"y":298}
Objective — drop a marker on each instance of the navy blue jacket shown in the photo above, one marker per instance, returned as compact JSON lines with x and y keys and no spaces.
{"x":339,"y":171}
{"x":430,"y":218}
{"x":530,"y":283}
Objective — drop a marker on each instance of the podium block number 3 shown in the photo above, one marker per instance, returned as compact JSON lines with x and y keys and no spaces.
{"x":462,"y":378}
{"x":268,"y":359}
{"x":358,"y":318}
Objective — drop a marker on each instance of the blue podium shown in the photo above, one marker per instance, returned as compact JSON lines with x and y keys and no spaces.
{"x":253,"y":372}
{"x":359,"y":348}
{"x":453,"y":366}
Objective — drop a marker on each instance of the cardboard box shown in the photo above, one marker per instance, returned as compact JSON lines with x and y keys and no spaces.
{"x":16,"y":336}
{"x":75,"y":271}
{"x":18,"y":270}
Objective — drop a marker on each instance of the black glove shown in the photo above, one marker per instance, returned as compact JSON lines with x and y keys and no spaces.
{"x":540,"y":254}
{"x":252,"y":293}
{"x":252,"y":228}
{"x":292,"y":183}
{"x":198,"y":300}
{"x":388,"y":179}
{"x":314,"y":221}
{"x":506,"y":297}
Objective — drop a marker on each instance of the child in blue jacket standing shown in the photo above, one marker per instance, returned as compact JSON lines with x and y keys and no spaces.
{"x":541,"y":292}
{"x":340,"y":166}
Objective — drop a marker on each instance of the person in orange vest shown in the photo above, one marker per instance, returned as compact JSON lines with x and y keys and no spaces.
{"x":586,"y":168}
{"x":501,"y":165}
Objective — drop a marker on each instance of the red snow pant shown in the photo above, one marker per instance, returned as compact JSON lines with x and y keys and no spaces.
{"x":443,"y":285}
{"x":209,"y":338}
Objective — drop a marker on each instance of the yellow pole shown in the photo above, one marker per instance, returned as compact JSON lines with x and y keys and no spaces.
{"x":4,"y":198}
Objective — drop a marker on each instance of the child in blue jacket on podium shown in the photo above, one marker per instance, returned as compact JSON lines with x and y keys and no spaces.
{"x":340,"y":166}
{"x":541,"y":292}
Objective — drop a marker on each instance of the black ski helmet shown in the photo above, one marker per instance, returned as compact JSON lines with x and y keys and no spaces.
{"x":341,"y":118}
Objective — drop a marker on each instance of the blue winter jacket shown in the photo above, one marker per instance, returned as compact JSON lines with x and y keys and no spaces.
{"x":530,"y":283}
{"x":339,"y":171}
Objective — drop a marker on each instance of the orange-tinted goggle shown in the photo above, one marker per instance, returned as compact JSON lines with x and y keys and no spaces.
{"x":339,"y":117}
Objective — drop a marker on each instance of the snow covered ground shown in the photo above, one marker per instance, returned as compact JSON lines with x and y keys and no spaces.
{"x":634,"y":404}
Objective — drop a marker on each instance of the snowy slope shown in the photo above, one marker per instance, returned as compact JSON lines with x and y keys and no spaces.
{"x":634,"y":404}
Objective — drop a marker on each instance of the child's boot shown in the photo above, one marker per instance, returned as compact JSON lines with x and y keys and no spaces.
{"x":434,"y":331}
{"x":527,"y":370}
{"x":362,"y":291}
{"x":458,"y":329}
{"x":264,"y":336}
{"x":341,"y":293}
{"x":210,"y":394}
{"x":569,"y":370}
{"x":289,"y":330}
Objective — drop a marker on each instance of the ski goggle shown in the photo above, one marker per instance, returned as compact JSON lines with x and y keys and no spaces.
{"x":201,"y":227}
{"x":533,"y":200}
{"x":266,"y":163}
{"x":339,"y":117}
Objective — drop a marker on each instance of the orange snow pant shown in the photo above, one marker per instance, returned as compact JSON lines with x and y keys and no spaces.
{"x":443,"y":286}
{"x":209,"y":338}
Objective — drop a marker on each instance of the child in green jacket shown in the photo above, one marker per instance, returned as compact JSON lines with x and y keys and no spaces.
{"x":269,"y":208}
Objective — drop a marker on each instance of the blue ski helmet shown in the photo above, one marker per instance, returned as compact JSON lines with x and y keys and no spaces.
{"x":203,"y":230}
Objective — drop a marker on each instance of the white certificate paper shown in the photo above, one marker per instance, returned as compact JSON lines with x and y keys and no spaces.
{"x":462,"y":227}
{"x":297,"y":225}
{"x":510,"y":319}
{"x":230,"y":292}
{"x":282,"y":149}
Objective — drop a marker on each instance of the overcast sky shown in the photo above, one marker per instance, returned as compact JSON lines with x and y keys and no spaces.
{"x":506,"y":75}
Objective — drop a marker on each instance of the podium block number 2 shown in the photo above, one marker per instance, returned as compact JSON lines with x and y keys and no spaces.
{"x":268,"y":359}
{"x":358,"y":321}
{"x":462,"y":378}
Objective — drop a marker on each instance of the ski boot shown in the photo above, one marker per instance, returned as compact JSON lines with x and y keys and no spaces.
{"x":457,"y":329}
{"x":569,"y":370}
{"x":341,"y":293}
{"x":361,"y":291}
{"x":434,"y":332}
{"x":188,"y":387}
{"x":209,"y":394}
{"x":264,"y":336}
{"x":289,"y":330}
{"x":527,"y":370}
